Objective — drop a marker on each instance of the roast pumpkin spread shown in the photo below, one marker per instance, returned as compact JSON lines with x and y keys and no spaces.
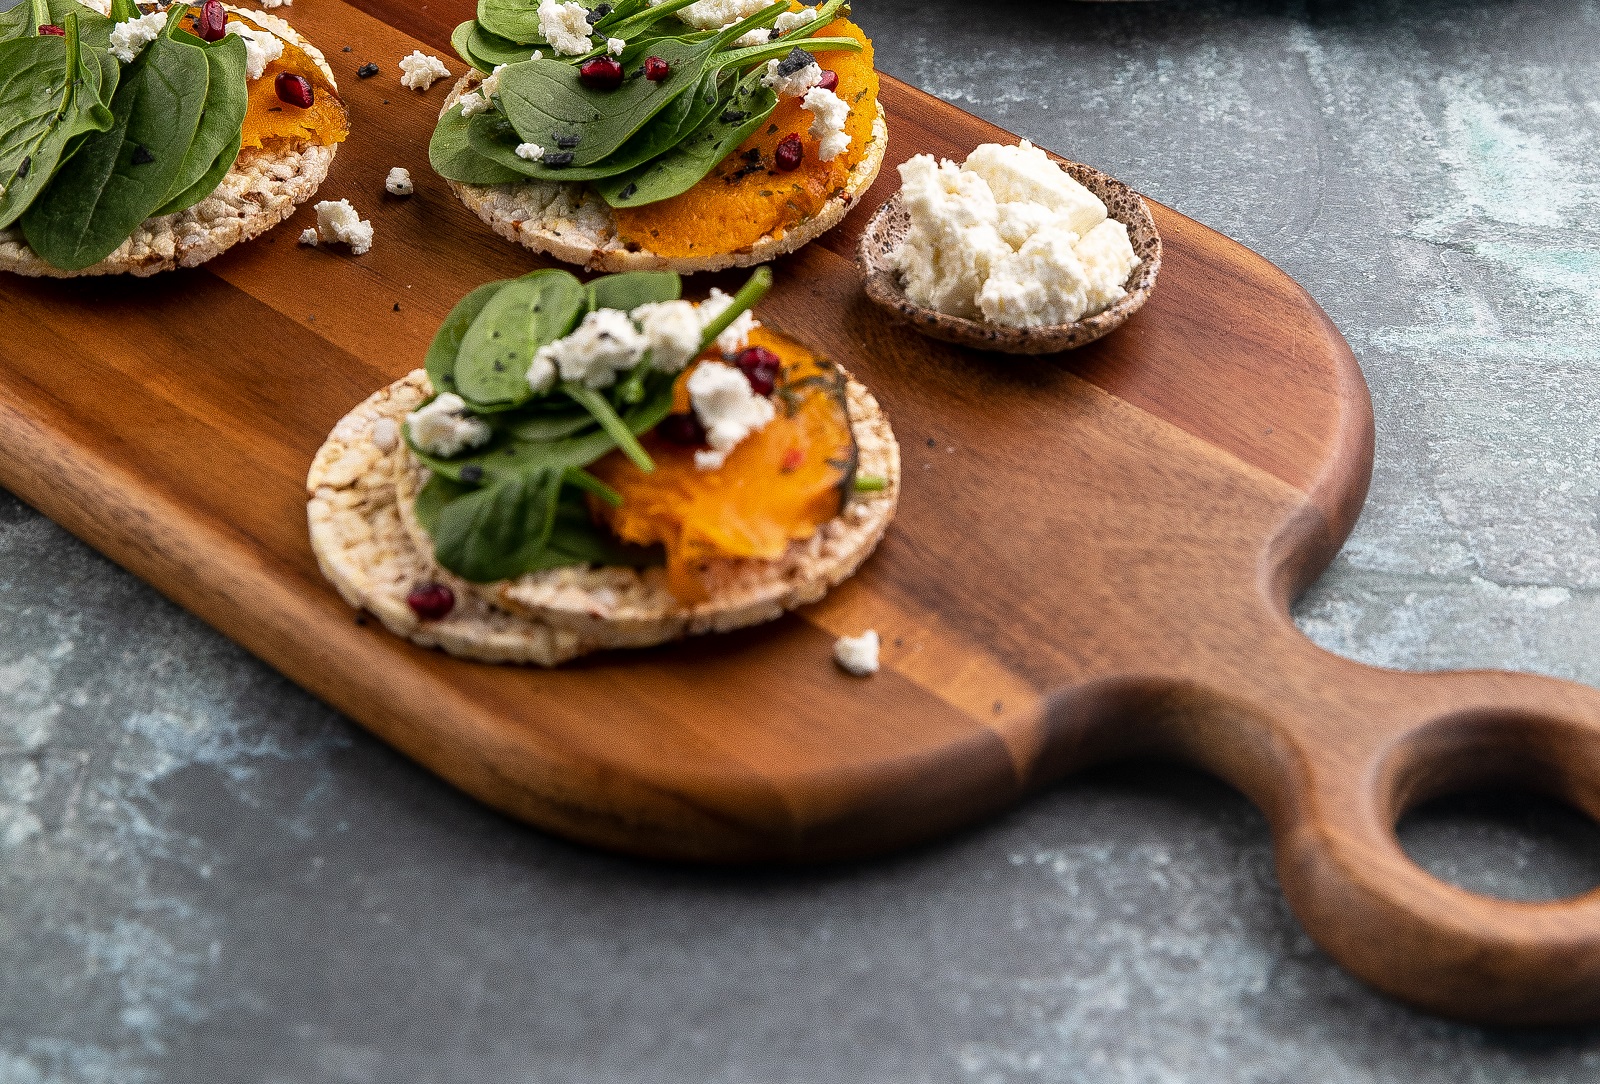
{"x":616,"y":424}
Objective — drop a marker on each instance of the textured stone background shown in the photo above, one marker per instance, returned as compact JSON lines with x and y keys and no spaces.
{"x":208,"y":877}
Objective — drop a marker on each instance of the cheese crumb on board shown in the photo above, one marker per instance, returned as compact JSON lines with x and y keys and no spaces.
{"x":1009,"y":237}
{"x":398,"y":182}
{"x":308,"y":237}
{"x":419,"y":71}
{"x":339,"y":221}
{"x":858,"y":655}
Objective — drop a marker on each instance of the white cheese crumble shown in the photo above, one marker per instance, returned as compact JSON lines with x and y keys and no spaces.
{"x":752,"y":39}
{"x":475,"y":103}
{"x":795,"y":84}
{"x":443,"y":428}
{"x":129,"y":38}
{"x":615,"y":46}
{"x":830,"y":113}
{"x":858,"y":655}
{"x":794,"y":20}
{"x":99,"y":7}
{"x":673,"y":329}
{"x":605,"y":345}
{"x":270,"y":4}
{"x":398,"y":182}
{"x":728,"y":408}
{"x":1009,"y":237}
{"x":718,"y":14}
{"x":339,"y":221}
{"x":309,"y":237}
{"x":530,"y":152}
{"x":260,"y":48}
{"x":419,"y":71}
{"x":565,"y":26}
{"x":737,"y":335}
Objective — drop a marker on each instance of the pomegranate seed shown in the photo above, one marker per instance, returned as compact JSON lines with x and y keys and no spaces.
{"x":791,"y":152}
{"x":656,"y":69}
{"x":830,"y":81}
{"x":211,"y":23}
{"x":761,"y":367}
{"x":431,"y":601}
{"x":53,"y":29}
{"x":294,"y":90}
{"x":682,"y":429}
{"x":792,"y":459}
{"x":601,"y":73}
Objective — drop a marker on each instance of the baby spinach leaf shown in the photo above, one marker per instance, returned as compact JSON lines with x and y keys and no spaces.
{"x":546,"y":99}
{"x":631,"y":289}
{"x":49,"y":96}
{"x":499,"y":531}
{"x":523,"y":315}
{"x":121,"y":175}
{"x":494,"y":50}
{"x":446,"y":345}
{"x":683,"y":167}
{"x":218,"y":137}
{"x":515,"y":20}
{"x":451,"y":155}
{"x":94,"y":29}
{"x":547,"y":426}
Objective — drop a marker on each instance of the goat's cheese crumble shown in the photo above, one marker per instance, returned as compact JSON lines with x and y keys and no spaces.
{"x":737,"y":335}
{"x":565,"y":26}
{"x":398,"y":182}
{"x":1010,"y":238}
{"x":793,"y":76}
{"x":718,"y":14}
{"x":443,"y":428}
{"x":604,"y":346}
{"x":728,"y":408}
{"x":616,"y":46}
{"x":530,"y":152}
{"x":129,"y":38}
{"x":794,"y":20}
{"x":858,"y":655}
{"x":830,"y":113}
{"x":673,"y":329}
{"x":339,"y":221}
{"x":260,"y":48}
{"x":419,"y":71}
{"x":309,"y":237}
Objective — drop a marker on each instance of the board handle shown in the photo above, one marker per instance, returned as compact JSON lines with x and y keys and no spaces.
{"x":1391,"y":742}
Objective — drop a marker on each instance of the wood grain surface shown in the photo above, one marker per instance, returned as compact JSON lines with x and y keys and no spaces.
{"x":1094,"y":559}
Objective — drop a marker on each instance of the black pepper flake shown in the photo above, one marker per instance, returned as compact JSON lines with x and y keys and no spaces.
{"x":275,"y":109}
{"x":932,"y":443}
{"x":347,"y":48}
{"x":558,"y":160}
{"x":797,"y":60}
{"x":735,"y":116}
{"x":367,"y":70}
{"x":598,"y":13}
{"x":472,"y":474}
{"x":142,"y":155}
{"x":630,"y":191}
{"x":753,"y":154}
{"x":23,"y":167}
{"x":772,"y":129}
{"x":397,"y":306}
{"x":568,"y":141}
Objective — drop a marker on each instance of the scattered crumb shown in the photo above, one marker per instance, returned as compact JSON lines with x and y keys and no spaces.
{"x":270,"y":4}
{"x":367,"y":70}
{"x":386,"y":434}
{"x":308,"y":237}
{"x":398,"y":183}
{"x":347,"y":48}
{"x":419,"y":71}
{"x":339,"y":221}
{"x":397,"y":306}
{"x":858,"y":655}
{"x":932,"y":443}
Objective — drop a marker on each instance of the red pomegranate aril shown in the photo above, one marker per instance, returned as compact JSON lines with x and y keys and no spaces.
{"x":682,"y":429}
{"x":792,"y":459}
{"x":431,"y":601}
{"x":211,"y":23}
{"x":761,"y":367}
{"x":830,"y":81}
{"x":790,"y":153}
{"x":656,"y":69}
{"x":601,"y":73}
{"x":294,"y":90}
{"x":53,"y":30}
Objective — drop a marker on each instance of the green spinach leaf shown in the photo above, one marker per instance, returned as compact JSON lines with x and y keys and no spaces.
{"x":121,"y":175}
{"x":499,"y":531}
{"x":94,"y":29}
{"x":523,"y":315}
{"x":446,"y":345}
{"x":49,"y":96}
{"x":631,"y":289}
{"x":451,"y":155}
{"x":220,"y":133}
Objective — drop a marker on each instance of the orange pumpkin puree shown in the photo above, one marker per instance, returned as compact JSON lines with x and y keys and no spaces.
{"x":733,"y":206}
{"x":271,"y":123}
{"x":778,"y":485}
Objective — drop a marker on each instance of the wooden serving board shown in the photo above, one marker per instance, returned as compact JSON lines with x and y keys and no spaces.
{"x":1094,"y":558}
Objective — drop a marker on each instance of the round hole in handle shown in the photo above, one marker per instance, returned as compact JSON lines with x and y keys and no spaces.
{"x":1506,"y":844}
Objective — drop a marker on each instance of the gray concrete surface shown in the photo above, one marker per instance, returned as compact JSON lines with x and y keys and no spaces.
{"x":206,"y":876}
